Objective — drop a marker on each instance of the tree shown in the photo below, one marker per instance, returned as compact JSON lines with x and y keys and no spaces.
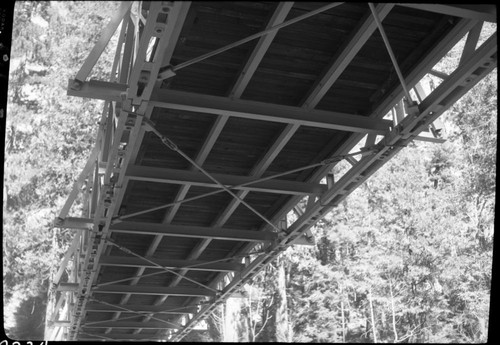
{"x":48,"y":135}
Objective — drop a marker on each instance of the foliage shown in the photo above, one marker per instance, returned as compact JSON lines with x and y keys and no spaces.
{"x":48,"y":135}
{"x":407,"y":257}
{"x":30,"y":319}
{"x":411,"y":249}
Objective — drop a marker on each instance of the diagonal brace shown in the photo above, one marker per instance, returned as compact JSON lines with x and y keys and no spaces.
{"x":132,"y":311}
{"x":171,"y":145}
{"x":128,"y":251}
{"x":389,"y":50}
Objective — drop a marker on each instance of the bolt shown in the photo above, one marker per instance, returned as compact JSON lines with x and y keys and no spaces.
{"x":77,"y":84}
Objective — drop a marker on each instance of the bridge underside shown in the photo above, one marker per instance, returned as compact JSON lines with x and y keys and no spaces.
{"x":205,"y":169}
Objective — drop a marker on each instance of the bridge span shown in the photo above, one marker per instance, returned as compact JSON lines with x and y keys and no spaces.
{"x":221,"y":128}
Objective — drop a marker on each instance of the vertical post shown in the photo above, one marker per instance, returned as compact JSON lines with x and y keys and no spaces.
{"x":370,"y":141}
{"x":330,"y":180}
{"x":471,"y":42}
{"x":420,"y":92}
{"x":127,"y":57}
{"x":400,"y":112}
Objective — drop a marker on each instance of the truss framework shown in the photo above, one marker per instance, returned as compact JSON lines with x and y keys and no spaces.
{"x":130,"y":99}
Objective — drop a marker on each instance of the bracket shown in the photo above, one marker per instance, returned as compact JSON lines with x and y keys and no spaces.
{"x":166,"y":72}
{"x":142,"y":82}
{"x":411,"y":108}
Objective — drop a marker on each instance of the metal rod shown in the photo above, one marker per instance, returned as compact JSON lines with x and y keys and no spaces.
{"x":132,"y":311}
{"x":254,"y":36}
{"x":117,"y":319}
{"x":262,"y":179}
{"x":96,"y":335}
{"x":171,"y":145}
{"x":131,"y":278}
{"x":228,"y":190}
{"x":128,"y":251}
{"x":389,"y":50}
{"x":156,"y":312}
{"x":216,"y":192}
{"x":180,"y":268}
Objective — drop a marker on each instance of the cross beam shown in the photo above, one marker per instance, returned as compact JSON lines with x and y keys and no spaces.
{"x":198,"y":103}
{"x":120,"y":337}
{"x":193,"y":231}
{"x":140,"y":308}
{"x":462,"y":79}
{"x":347,"y":53}
{"x":126,"y":261}
{"x":129,"y":324}
{"x":174,"y":176}
{"x":154,"y":290}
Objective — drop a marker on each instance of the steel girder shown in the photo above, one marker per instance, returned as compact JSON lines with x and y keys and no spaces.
{"x":126,"y":92}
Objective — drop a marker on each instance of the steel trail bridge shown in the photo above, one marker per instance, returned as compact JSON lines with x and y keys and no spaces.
{"x":221,"y":126}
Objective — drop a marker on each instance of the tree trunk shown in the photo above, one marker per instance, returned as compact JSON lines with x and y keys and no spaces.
{"x":393,"y":315}
{"x":282,"y":324}
{"x":342,"y":311}
{"x":374,"y":331}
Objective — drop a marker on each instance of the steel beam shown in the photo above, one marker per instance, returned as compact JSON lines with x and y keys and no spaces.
{"x":129,"y":325}
{"x":471,"y":42}
{"x":97,"y":89}
{"x":260,"y":49}
{"x":196,"y":265}
{"x":75,"y":223}
{"x":340,"y":63}
{"x":198,"y":103}
{"x":430,"y":139}
{"x":141,"y":82}
{"x":79,"y":182}
{"x":482,"y":12}
{"x":352,"y":46}
{"x":62,"y":323}
{"x":316,"y":213}
{"x":120,"y":337}
{"x":329,"y":77}
{"x":154,"y":290}
{"x":140,"y":308}
{"x":438,"y":74}
{"x":174,"y":37}
{"x":245,"y":75}
{"x":71,"y":251}
{"x":266,"y":112}
{"x":193,"y":231}
{"x":67,"y":287}
{"x":174,"y":176}
{"x":101,"y":44}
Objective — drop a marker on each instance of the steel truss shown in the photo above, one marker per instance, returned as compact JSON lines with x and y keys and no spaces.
{"x":130,"y":97}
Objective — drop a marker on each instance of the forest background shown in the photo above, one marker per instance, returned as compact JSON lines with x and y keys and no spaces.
{"x":407,"y":257}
